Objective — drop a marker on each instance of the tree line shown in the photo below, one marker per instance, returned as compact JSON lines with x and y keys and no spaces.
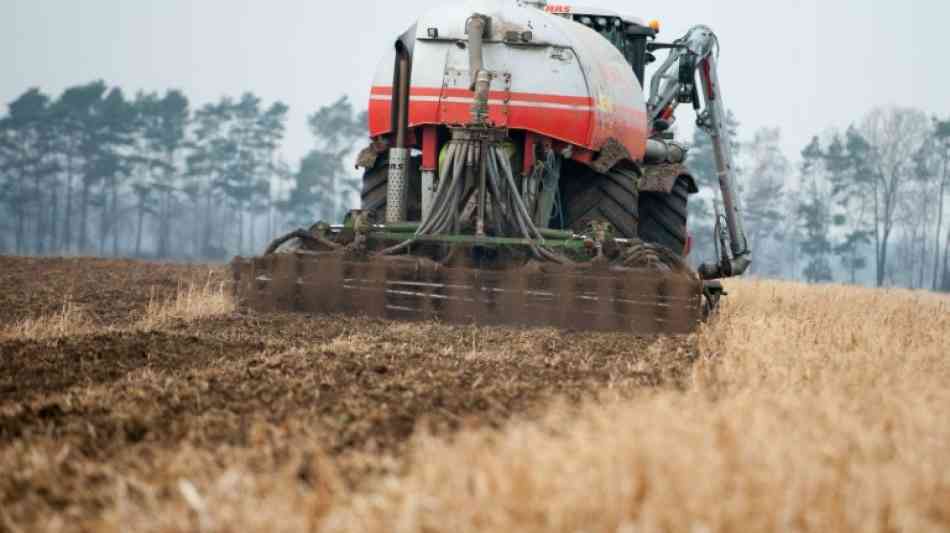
{"x":865,"y":205}
{"x":94,"y":171}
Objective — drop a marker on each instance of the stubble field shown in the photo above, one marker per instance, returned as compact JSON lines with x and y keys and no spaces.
{"x":139,"y":397}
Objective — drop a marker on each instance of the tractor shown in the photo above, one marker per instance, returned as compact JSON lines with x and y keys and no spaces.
{"x":519,"y":172}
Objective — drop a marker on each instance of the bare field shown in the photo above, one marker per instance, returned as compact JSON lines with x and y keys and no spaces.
{"x":136,"y":397}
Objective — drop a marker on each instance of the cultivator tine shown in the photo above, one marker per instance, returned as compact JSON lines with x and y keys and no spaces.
{"x":476,"y":303}
{"x":662,"y":311}
{"x":510,"y":300}
{"x":284,"y":284}
{"x":260,"y":295}
{"x":321,"y":279}
{"x":310,"y":300}
{"x":243,"y":272}
{"x":564,"y":300}
{"x":369,"y":281}
{"x":459,"y":293}
{"x":629,"y":288}
{"x":569,"y":301}
{"x":606,"y":317}
{"x":463,"y":295}
{"x":681,"y":318}
{"x":379,"y":278}
{"x":428,"y":308}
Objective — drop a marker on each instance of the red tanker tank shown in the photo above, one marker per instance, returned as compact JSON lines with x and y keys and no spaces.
{"x":551,"y":76}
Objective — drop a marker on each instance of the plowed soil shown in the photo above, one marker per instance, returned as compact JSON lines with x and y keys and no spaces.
{"x":119,"y":401}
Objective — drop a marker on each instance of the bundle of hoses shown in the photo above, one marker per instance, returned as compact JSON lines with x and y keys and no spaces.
{"x":509,"y":208}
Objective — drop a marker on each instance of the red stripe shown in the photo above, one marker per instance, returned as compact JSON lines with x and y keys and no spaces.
{"x":586,"y":128}
{"x":379,"y":117}
{"x":563,"y":124}
{"x":494,"y":95}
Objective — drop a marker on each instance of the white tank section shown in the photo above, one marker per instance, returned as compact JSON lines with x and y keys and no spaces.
{"x":551,"y":76}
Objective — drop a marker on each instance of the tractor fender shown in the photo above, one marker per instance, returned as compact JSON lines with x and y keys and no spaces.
{"x":661,"y":178}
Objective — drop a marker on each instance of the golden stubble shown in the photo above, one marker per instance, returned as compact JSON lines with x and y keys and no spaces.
{"x":193,"y":301}
{"x":69,"y":320}
{"x":811,"y":408}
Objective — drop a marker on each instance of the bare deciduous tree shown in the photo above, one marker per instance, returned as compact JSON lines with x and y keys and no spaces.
{"x":894,"y":136}
{"x":941,"y":279}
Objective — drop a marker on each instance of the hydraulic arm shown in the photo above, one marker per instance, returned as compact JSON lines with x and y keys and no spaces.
{"x":675,"y":83}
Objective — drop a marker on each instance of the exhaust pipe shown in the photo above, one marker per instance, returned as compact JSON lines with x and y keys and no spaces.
{"x":397,"y":178}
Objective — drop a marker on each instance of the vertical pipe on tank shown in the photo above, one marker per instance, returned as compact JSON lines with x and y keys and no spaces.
{"x":396,"y":183}
{"x":402,"y":117}
{"x":480,"y":78}
{"x":428,"y":189}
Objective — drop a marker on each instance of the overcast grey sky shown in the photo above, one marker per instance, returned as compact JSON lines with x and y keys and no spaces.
{"x":804,"y":66}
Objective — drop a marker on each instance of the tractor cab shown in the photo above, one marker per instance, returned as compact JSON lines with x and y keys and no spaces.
{"x":627,"y":34}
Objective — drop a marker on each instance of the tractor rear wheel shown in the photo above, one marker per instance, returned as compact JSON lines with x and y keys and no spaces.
{"x":663,"y":217}
{"x":612,"y":197}
{"x":373,"y":193}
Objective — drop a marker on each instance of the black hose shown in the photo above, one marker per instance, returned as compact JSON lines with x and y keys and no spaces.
{"x":302,"y":235}
{"x":460,"y":157}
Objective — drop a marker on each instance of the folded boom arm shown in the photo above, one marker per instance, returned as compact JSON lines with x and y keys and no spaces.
{"x":698,"y":51}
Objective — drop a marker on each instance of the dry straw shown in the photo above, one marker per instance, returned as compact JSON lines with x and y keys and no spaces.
{"x":69,"y":320}
{"x":811,"y":408}
{"x":190,"y":303}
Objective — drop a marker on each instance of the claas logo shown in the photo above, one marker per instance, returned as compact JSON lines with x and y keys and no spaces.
{"x":557,"y":8}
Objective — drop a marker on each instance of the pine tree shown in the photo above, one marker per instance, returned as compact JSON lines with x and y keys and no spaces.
{"x":73,"y":113}
{"x":322,"y":179}
{"x":27,"y":142}
{"x":114,"y":137}
{"x":849,"y":190}
{"x":765,"y":184}
{"x":208,"y":163}
{"x":814,"y":216}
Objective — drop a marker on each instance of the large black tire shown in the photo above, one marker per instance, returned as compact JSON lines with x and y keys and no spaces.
{"x":373,"y":194}
{"x":612,"y":197}
{"x":663,"y":217}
